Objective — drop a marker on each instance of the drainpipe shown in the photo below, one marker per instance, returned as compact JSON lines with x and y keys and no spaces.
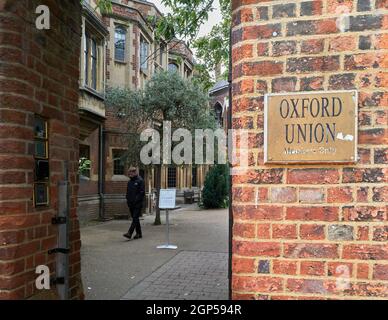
{"x":101,"y":172}
{"x":230,"y":79}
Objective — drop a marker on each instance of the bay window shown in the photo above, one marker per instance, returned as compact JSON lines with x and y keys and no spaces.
{"x":120,"y":43}
{"x":93,"y":63}
{"x":144,"y":51}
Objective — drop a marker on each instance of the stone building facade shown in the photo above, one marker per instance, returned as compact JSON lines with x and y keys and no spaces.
{"x":92,"y":111}
{"x":39,"y":130}
{"x":130,"y":57}
{"x":311,"y":231}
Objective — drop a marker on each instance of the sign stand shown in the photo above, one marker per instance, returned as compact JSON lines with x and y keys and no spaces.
{"x":168,"y":245}
{"x":167,"y":201}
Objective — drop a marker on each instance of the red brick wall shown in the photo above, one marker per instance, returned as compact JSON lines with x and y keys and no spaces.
{"x":116,"y":207}
{"x":116,"y":138}
{"x":38,"y":75}
{"x":311,"y":224}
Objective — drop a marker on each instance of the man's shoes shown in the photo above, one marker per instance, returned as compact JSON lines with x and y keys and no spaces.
{"x":128,"y":236}
{"x":137,"y":237}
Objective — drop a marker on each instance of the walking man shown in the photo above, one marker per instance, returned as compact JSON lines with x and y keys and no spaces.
{"x":135,"y":197}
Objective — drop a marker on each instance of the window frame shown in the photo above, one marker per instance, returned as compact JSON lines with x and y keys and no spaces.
{"x":93,"y":63}
{"x":41,"y":139}
{"x":159,"y":58}
{"x":144,"y":53}
{"x":123,"y":38}
{"x":114,"y":159}
{"x":188,"y":71}
{"x":86,"y":59}
{"x":173,"y":63}
{"x":162,"y":53}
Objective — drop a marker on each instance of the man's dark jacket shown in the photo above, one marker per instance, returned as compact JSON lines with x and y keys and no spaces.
{"x":135,"y":192}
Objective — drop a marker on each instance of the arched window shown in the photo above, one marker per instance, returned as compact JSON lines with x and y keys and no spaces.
{"x":173,"y":67}
{"x":219,"y":115}
{"x":120,"y":37}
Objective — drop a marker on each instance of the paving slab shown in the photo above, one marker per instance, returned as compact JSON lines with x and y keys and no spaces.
{"x":182,"y":271}
{"x":112,"y":266}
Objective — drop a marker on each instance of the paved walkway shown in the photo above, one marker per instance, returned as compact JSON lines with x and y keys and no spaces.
{"x":187,"y":276}
{"x":112,"y":266}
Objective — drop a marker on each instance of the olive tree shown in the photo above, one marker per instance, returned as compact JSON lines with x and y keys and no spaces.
{"x":165,"y":97}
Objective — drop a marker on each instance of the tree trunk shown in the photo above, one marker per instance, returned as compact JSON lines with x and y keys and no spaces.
{"x":158,"y":168}
{"x":158,"y":177}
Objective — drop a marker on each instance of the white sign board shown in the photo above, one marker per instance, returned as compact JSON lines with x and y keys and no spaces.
{"x":167,"y":199}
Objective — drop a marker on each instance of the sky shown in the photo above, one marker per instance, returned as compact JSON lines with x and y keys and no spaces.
{"x":214,"y":17}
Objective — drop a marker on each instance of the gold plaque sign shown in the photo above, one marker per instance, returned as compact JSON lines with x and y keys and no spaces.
{"x":311,"y":127}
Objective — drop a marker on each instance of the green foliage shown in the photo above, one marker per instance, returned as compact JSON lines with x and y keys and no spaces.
{"x":84,"y":166}
{"x":202,"y":77}
{"x":169,"y":97}
{"x":166,"y":97}
{"x":215,"y":193}
{"x":127,"y":104}
{"x":187,"y":17}
{"x":164,"y":27}
{"x":105,"y":6}
{"x":213,"y":49}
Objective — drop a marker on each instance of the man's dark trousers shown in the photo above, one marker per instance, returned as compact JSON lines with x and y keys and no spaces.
{"x":135,"y":213}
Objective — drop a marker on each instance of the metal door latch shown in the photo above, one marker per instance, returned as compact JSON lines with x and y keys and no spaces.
{"x":59,"y":250}
{"x":59,"y":220}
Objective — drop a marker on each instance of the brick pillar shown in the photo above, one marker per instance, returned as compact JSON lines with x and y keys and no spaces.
{"x":299,"y":228}
{"x":38,"y":76}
